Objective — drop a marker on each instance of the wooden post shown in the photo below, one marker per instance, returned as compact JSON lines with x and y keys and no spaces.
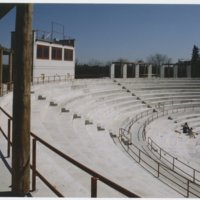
{"x":1,"y":71}
{"x":21,"y":101}
{"x":10,"y":71}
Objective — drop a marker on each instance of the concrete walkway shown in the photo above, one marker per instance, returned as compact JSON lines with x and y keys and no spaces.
{"x":5,"y":176}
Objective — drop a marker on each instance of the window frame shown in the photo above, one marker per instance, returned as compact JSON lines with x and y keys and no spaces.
{"x":42,"y":48}
{"x":58,"y":53}
{"x":68,"y":54}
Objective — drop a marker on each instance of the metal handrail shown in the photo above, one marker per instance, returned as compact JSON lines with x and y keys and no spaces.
{"x":150,"y":143}
{"x":7,"y":87}
{"x":94,"y":175}
{"x":49,"y":79}
{"x":151,"y":118}
{"x":188,"y":186}
{"x":158,"y":153}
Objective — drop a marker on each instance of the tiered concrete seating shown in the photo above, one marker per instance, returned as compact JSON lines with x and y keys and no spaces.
{"x":165,"y":94}
{"x":84,"y":142}
{"x":106,"y":103}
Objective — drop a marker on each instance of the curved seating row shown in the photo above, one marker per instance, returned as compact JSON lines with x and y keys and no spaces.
{"x":106,"y":104}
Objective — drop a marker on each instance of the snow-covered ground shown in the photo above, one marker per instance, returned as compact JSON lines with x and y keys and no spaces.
{"x":105,"y":104}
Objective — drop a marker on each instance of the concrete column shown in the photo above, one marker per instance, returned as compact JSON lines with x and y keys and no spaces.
{"x":162,"y":71}
{"x":137,"y":71}
{"x":175,"y":71}
{"x":124,"y":70}
{"x":188,"y":71}
{"x":149,"y":71}
{"x":112,"y":70}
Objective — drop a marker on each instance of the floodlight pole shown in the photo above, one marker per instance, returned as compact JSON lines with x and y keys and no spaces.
{"x":21,"y":100}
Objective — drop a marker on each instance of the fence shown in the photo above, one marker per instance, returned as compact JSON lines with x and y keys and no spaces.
{"x":51,"y":79}
{"x":7,"y":87}
{"x":35,"y":173}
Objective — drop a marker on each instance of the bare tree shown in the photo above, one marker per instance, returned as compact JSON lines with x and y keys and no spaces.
{"x":158,"y":60}
{"x":121,"y":60}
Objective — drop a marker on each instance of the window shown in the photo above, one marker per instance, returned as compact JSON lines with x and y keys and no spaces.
{"x":68,"y":54}
{"x":56,"y":53}
{"x":42,"y":52}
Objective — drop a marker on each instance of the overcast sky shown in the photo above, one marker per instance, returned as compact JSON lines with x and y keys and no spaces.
{"x":107,"y":32}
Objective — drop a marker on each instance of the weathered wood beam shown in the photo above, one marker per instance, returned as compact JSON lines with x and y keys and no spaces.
{"x":1,"y":71}
{"x":10,"y":71}
{"x":21,"y":100}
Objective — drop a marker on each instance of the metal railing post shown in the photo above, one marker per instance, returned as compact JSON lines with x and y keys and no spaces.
{"x":94,"y":187}
{"x":8,"y":142}
{"x":160,"y":152}
{"x":188,"y":188}
{"x":194,"y":175}
{"x":158,"y":169}
{"x":139,"y":156}
{"x":34,"y":164}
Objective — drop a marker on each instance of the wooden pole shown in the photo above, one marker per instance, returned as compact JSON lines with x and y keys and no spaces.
{"x":21,"y":101}
{"x":1,"y":71}
{"x":10,"y":71}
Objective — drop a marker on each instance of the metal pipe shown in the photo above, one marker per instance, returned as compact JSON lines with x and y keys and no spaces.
{"x":8,"y":142}
{"x":34,"y":164}
{"x":94,"y":187}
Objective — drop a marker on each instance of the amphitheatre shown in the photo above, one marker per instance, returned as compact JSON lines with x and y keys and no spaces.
{"x":100,"y":137}
{"x":127,"y":130}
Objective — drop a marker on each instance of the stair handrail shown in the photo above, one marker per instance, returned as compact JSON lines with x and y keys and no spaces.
{"x":190,"y":186}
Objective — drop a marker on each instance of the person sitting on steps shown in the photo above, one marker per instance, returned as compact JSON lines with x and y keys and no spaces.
{"x":185,"y":127}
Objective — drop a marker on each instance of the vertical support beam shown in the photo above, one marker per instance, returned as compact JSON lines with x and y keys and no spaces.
{"x":162,"y":71}
{"x":21,"y":101}
{"x":1,"y":71}
{"x":149,"y":71}
{"x":175,"y":71}
{"x":188,"y":71}
{"x":10,"y":70}
{"x":112,"y":70}
{"x":94,"y":187}
{"x":124,"y":70}
{"x":137,"y":71}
